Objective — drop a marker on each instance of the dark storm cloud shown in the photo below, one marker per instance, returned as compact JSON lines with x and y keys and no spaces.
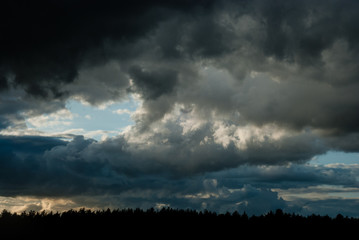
{"x":45,"y":43}
{"x":49,"y":167}
{"x":153,"y":84}
{"x":299,"y":104}
{"x":306,"y":46}
{"x":181,"y":156}
{"x":293,"y":176}
{"x":20,"y":165}
{"x":16,"y":105}
{"x":62,"y":49}
{"x":31,"y":145}
{"x":301,"y":30}
{"x":27,"y":168}
{"x":86,"y":49}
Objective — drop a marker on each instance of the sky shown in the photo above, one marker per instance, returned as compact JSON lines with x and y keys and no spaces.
{"x":220,"y":105}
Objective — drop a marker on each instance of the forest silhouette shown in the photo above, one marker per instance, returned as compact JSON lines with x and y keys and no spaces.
{"x":138,"y":222}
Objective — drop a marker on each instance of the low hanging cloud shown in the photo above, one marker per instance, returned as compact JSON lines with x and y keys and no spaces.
{"x":46,"y":168}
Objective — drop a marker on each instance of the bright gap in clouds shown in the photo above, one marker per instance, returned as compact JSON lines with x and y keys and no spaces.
{"x":334,"y":157}
{"x":80,"y":118}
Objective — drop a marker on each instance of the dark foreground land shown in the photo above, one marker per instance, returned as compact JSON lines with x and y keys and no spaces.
{"x":170,"y":224}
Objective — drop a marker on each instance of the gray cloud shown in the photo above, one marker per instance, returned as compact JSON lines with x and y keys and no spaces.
{"x":153,"y":84}
{"x":99,"y":84}
{"x":308,"y":46}
{"x":55,"y":169}
{"x":294,"y":176}
{"x":51,"y":168}
{"x":57,"y":39}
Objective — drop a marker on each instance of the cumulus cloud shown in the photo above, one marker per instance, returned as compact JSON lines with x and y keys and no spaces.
{"x":303,"y":74}
{"x":115,"y":165}
{"x":49,"y":168}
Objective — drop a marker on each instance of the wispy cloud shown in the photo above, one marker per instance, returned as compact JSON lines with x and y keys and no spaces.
{"x":123,"y":111}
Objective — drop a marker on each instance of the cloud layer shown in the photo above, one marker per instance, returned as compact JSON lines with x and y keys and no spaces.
{"x":223,"y":85}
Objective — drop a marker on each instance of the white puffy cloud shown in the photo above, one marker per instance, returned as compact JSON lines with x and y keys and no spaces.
{"x":57,"y":119}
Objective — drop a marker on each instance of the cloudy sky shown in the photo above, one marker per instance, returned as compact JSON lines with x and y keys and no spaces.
{"x":215,"y":104}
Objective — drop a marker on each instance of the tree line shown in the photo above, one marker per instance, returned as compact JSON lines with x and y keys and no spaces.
{"x":86,"y":221}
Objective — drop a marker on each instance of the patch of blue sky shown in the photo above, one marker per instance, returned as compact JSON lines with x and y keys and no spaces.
{"x":94,"y":118}
{"x":333,"y":157}
{"x":91,"y":121}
